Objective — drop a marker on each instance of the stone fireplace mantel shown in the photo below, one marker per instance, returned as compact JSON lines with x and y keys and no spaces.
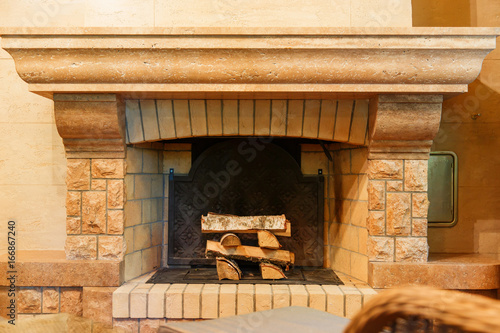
{"x":122,"y":94}
{"x":286,"y":63}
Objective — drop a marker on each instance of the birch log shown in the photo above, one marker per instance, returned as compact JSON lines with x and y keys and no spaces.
{"x":225,"y":223}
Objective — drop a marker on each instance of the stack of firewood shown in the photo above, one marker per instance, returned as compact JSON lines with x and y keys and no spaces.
{"x":271,"y":259}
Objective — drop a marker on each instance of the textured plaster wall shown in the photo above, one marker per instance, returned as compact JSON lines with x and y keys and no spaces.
{"x":32,"y":163}
{"x":476,"y":142}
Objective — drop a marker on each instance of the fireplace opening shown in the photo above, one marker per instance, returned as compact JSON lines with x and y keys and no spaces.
{"x":245,"y":176}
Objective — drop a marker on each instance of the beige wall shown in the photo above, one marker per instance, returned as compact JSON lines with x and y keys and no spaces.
{"x":32,"y":164}
{"x":476,"y":142}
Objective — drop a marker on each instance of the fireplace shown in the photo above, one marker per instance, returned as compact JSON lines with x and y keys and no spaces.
{"x":363,"y":106}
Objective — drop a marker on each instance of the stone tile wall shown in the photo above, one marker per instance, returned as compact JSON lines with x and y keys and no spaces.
{"x":94,"y":207}
{"x":143,"y":225}
{"x":397,"y":202}
{"x":348,"y":201}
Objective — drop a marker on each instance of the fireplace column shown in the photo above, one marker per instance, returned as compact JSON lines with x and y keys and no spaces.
{"x":91,"y":126}
{"x":402,"y":128}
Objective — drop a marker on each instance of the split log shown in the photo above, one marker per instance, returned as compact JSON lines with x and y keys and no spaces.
{"x":268,"y":240}
{"x":250,"y":253}
{"x":228,"y":269}
{"x":224,"y":223}
{"x":287,"y":232}
{"x":271,"y":272}
{"x":230,"y":240}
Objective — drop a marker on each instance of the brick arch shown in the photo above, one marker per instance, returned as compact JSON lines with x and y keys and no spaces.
{"x":329,"y":120}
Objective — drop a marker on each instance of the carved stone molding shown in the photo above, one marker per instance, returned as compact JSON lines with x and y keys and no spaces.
{"x":91,"y":125}
{"x":251,"y":62}
{"x":403,"y":126}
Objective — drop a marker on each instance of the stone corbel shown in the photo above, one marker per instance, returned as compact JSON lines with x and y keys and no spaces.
{"x":91,"y":125}
{"x":403,"y":126}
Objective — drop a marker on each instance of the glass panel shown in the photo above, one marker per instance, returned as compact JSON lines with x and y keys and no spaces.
{"x":442,"y":192}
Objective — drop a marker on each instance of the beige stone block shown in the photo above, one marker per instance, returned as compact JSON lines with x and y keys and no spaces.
{"x":73,"y":203}
{"x":214,"y":117}
{"x":345,"y":161}
{"x":173,"y":301}
{"x":345,"y":211}
{"x":376,"y":194}
{"x":229,"y":117}
{"x":295,"y":118}
{"x":246,"y":117}
{"x":245,"y":299}
{"x":126,"y":325}
{"x":71,"y":301}
{"x":380,"y":248}
{"x":157,"y":233}
{"x":411,"y":249}
{"x":157,"y":186}
{"x":349,"y":187}
{"x":343,"y":121}
{"x":150,"y":259}
{"x":115,"y":222}
{"x":251,"y":14}
{"x":317,"y":297}
{"x":133,"y":212}
{"x":180,"y":161}
{"x":210,"y":301}
{"x":353,"y":300}
{"x":376,"y":223}
{"x":399,"y":214}
{"x":420,"y":205}
{"x":131,"y":13}
{"x":98,"y":185}
{"x":416,"y":175}
{"x":111,"y":247}
{"x":359,"y":266}
{"x":81,"y":247}
{"x":299,"y":295}
{"x":363,"y":240}
{"x":150,"y":161}
{"x":198,"y":117}
{"x":363,"y":187}
{"x":73,"y":225}
{"x":129,"y":187}
{"x":29,"y":300}
{"x":381,"y":13}
{"x":349,"y":237}
{"x":115,"y":194}
{"x":385,"y":169}
{"x":135,"y":132}
{"x":98,"y":304}
{"x":341,"y":259}
{"x":142,"y":186}
{"x":419,"y":227}
{"x":181,"y":118}
{"x":359,"y":160}
{"x":134,"y":160}
{"x":50,"y":298}
{"x":150,"y":325}
{"x":139,"y":300}
{"x":310,"y":126}
{"x":227,"y":300}
{"x":166,"y":118}
{"x":262,"y":117}
{"x":263,"y":297}
{"x":121,"y":300}
{"x":394,"y":186}
{"x":108,"y":168}
{"x":334,"y":300}
{"x":78,"y":174}
{"x":327,"y":119}
{"x":149,"y":119}
{"x":94,"y":212}
{"x":192,"y":301}
{"x":128,"y":236}
{"x":133,"y":265}
{"x":156,"y":300}
{"x":312,"y":161}
{"x":281,"y":296}
{"x":359,"y":213}
{"x":142,"y":237}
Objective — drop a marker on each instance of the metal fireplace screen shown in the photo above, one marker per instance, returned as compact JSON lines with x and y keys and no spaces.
{"x":245,"y":177}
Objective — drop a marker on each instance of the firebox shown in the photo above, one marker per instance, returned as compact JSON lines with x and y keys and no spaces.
{"x":252,"y":176}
